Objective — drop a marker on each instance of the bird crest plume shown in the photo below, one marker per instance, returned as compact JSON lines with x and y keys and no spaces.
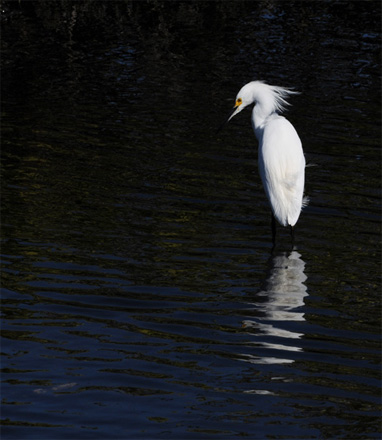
{"x":278,"y":95}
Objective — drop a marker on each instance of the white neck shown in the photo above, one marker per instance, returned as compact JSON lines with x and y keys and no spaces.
{"x":259,"y":113}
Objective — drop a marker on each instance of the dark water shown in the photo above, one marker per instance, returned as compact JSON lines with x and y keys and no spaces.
{"x":141,"y":296}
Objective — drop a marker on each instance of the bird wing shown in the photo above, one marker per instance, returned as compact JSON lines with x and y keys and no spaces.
{"x":282,"y":168}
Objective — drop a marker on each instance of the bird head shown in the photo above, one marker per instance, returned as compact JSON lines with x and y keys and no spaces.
{"x":243,"y":99}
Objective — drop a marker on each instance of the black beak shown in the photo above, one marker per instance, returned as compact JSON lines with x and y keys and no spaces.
{"x":221,"y":126}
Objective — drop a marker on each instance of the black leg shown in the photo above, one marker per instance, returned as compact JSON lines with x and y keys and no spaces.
{"x":292,"y":235}
{"x":273,"y":229}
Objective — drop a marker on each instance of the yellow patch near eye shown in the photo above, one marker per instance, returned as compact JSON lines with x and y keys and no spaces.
{"x":238,"y":102}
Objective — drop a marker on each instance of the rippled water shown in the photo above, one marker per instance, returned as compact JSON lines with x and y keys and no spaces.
{"x":141,"y":294}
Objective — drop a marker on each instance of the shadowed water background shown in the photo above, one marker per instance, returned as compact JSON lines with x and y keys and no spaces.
{"x":141,"y":296}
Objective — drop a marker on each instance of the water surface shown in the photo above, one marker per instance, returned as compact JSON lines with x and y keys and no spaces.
{"x":141,"y":294}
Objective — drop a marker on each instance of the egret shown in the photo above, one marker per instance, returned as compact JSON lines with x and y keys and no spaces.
{"x":281,"y":159}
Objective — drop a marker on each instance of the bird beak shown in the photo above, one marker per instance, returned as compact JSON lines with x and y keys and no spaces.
{"x":231,"y":114}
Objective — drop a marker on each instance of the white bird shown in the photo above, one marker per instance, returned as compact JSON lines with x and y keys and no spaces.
{"x":281,"y":158}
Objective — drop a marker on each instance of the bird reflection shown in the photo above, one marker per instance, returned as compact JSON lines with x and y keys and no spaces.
{"x":278,"y":314}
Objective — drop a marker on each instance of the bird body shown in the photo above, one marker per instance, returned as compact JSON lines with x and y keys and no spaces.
{"x":281,"y":167}
{"x":281,"y":158}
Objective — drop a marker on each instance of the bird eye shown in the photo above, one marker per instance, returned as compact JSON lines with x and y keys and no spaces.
{"x":239,"y":101}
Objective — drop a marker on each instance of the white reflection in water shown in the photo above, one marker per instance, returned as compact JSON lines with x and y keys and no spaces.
{"x":279,"y":304}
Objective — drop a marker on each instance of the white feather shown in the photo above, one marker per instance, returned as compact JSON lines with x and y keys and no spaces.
{"x":281,"y":158}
